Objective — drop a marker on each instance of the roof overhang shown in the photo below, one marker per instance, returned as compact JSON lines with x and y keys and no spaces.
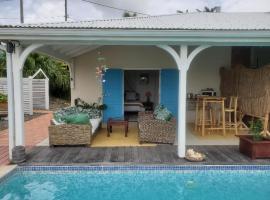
{"x":136,"y":37}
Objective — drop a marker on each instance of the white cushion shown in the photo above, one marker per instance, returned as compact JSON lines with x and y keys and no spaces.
{"x":56,"y":122}
{"x":95,"y":124}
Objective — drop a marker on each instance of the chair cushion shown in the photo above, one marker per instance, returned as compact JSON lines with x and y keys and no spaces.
{"x":60,"y":115}
{"x":78,"y":118}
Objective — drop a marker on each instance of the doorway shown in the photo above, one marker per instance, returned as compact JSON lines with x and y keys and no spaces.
{"x":141,"y":92}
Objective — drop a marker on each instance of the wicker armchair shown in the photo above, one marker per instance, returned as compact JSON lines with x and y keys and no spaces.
{"x":154,"y":130}
{"x":70,"y":134}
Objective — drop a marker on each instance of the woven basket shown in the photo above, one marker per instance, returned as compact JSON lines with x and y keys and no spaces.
{"x":70,"y":134}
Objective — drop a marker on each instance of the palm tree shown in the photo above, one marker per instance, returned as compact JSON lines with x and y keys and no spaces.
{"x":2,"y":64}
{"x":207,"y":9}
{"x":56,"y":71}
{"x":129,"y":14}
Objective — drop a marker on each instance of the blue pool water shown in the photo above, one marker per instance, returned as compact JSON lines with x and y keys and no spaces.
{"x":139,"y":184}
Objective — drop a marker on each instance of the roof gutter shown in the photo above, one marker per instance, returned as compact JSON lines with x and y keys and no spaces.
{"x":136,"y":37}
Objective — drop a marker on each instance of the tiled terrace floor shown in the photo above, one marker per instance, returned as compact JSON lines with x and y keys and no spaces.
{"x":161,"y":154}
{"x":36,"y":130}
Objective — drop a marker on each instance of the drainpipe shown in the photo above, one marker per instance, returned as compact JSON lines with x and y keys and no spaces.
{"x":11,"y":115}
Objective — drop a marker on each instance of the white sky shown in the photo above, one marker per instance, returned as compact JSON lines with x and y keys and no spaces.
{"x":53,"y":10}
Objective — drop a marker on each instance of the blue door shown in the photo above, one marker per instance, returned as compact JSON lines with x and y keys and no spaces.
{"x":169,"y":83}
{"x":113,"y":94}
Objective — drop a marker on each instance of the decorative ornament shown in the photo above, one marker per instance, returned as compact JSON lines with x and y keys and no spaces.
{"x":101,"y":69}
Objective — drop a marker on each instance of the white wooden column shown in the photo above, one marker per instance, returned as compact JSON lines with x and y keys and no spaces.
{"x":183,"y":61}
{"x":18,"y":96}
{"x":11,"y":120}
{"x":181,"y":150}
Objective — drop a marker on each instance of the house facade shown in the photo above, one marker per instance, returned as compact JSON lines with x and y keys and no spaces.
{"x":171,"y":44}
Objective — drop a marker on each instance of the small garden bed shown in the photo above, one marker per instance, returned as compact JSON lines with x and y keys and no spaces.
{"x":255,"y":145}
{"x":254,"y":149}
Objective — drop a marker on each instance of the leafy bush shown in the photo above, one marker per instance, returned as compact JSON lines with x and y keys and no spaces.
{"x":3,"y":98}
{"x":57,"y":72}
{"x":256,"y":128}
{"x":84,"y":105}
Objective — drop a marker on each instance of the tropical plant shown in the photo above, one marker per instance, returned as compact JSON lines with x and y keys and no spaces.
{"x":85,"y":105}
{"x":129,"y":14}
{"x":207,"y":9}
{"x":57,"y":72}
{"x":3,"y":98}
{"x":2,"y":64}
{"x":180,"y":11}
{"x":256,"y":128}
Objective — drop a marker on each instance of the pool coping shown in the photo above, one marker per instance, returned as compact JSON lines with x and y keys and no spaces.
{"x":108,"y":168}
{"x":139,"y":167}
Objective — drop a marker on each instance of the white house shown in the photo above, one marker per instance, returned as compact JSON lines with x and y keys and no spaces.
{"x":186,"y":51}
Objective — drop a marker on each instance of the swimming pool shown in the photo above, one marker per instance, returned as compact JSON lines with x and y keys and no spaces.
{"x":137,"y":182}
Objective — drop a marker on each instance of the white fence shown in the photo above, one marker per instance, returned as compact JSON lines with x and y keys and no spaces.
{"x":35,"y":93}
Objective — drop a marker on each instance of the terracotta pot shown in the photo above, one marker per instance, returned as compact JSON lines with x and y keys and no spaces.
{"x":254,"y":149}
{"x":4,"y":106}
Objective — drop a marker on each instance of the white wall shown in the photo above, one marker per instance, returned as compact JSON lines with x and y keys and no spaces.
{"x":204,"y":70}
{"x":128,"y":57}
{"x":203,"y":73}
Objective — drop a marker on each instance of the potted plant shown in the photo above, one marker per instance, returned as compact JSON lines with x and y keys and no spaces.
{"x":254,"y":145}
{"x":3,"y":102}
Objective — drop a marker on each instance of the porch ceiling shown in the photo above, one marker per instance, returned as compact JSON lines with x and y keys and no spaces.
{"x":66,"y":52}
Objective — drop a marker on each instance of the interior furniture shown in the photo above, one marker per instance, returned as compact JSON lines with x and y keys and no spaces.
{"x":213,"y":101}
{"x":252,"y":86}
{"x":116,"y":122}
{"x":208,"y":119}
{"x":154,"y":130}
{"x":133,"y":106}
{"x":70,"y":134}
{"x":148,"y":105}
{"x":132,"y":102}
{"x":230,"y":111}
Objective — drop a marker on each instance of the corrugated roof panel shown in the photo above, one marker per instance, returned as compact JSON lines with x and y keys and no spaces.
{"x":183,"y":21}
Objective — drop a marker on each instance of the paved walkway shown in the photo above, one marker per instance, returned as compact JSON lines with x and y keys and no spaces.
{"x":36,"y":130}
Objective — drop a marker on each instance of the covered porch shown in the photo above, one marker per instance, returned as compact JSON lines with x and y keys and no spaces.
{"x":68,"y":43}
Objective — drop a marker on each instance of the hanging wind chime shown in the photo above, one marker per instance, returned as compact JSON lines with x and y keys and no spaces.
{"x":101,"y":69}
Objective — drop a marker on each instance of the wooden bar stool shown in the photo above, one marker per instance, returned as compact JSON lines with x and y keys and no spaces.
{"x":231,"y":111}
{"x":199,"y":115}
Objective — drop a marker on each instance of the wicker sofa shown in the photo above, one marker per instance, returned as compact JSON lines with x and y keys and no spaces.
{"x":70,"y":134}
{"x":62,"y":133}
{"x":154,"y":130}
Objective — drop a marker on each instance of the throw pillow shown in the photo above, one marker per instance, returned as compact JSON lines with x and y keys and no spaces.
{"x":158,"y":108}
{"x":79,"y":118}
{"x":164,"y":115}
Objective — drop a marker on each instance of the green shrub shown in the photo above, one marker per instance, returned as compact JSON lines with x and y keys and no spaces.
{"x":3,"y":98}
{"x":256,"y":128}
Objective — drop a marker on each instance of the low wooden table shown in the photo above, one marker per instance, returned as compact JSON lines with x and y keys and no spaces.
{"x":116,"y":122}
